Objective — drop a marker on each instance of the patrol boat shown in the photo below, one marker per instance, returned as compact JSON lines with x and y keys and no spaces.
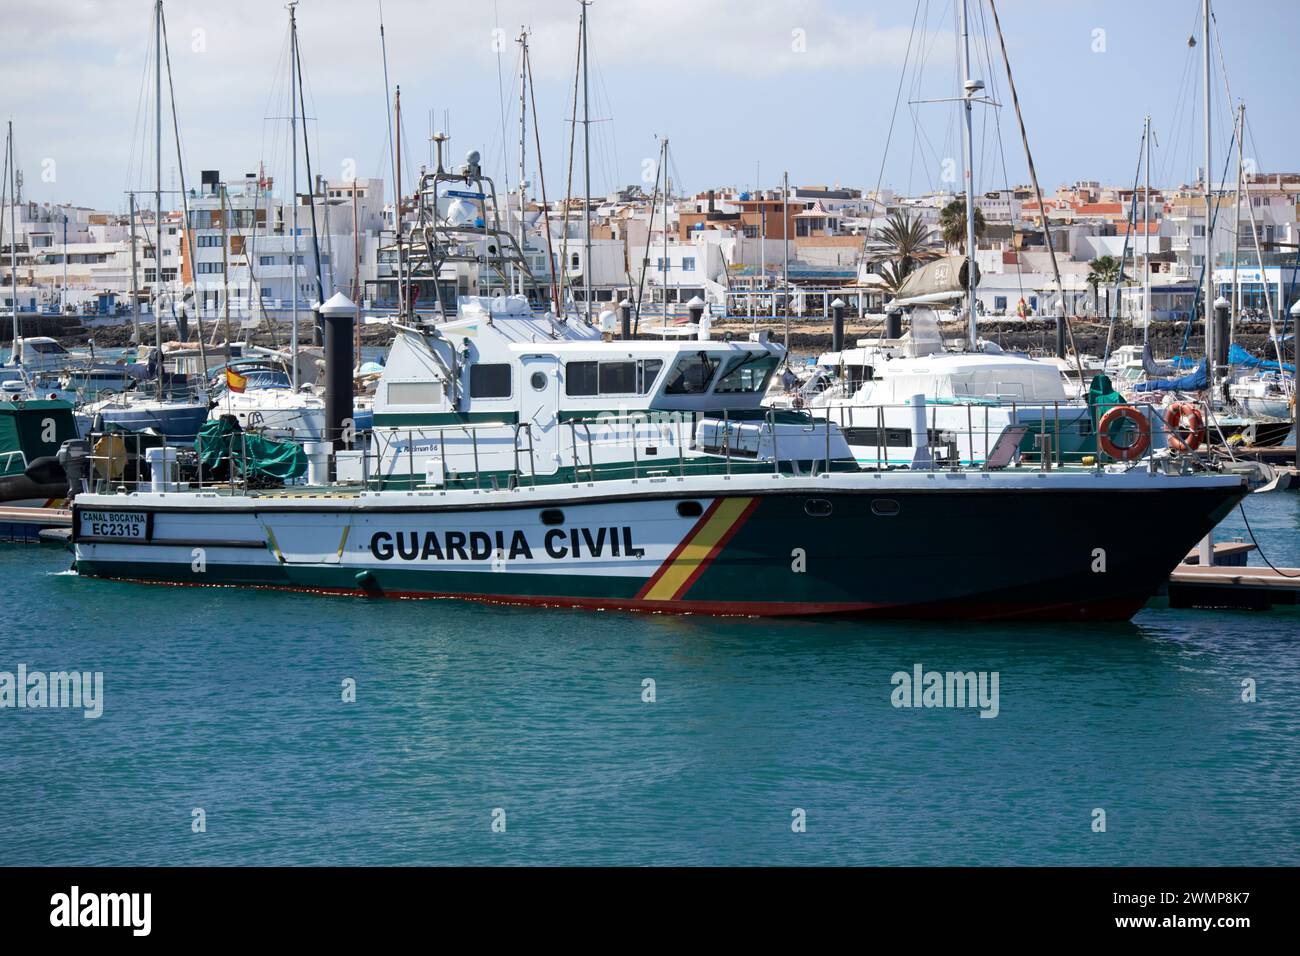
{"x":526,"y":459}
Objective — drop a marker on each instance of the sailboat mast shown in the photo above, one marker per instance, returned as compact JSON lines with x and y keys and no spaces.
{"x":586,"y":161}
{"x":1208,"y":295}
{"x":356,"y":278}
{"x":523,"y":134}
{"x":397,"y":209}
{"x":1236,"y":223}
{"x":225,"y":266}
{"x":293,"y":192}
{"x":157,"y":194}
{"x":1146,"y":231}
{"x":13,"y":234}
{"x":135,"y":298}
{"x":663,"y":164}
{"x":63,"y":296}
{"x":762,"y":230}
{"x":969,"y":88}
{"x":785,"y":242}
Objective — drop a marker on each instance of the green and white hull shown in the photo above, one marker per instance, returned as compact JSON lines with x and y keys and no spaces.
{"x":891,"y":544}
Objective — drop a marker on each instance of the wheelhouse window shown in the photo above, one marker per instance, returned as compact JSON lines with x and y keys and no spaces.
{"x":489,"y":381}
{"x":747,"y":373}
{"x":46,"y":348}
{"x":692,"y":374}
{"x":617,"y":378}
{"x":581,"y":378}
{"x":611,"y":378}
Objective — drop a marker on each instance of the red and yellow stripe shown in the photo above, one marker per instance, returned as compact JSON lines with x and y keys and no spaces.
{"x":720,"y":521}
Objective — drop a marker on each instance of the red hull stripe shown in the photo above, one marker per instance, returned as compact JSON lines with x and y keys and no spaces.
{"x":716,"y":549}
{"x":681,"y":546}
{"x":1115,"y":609}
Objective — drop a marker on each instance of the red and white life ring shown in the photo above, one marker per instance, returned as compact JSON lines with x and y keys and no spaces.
{"x":1139,"y":446}
{"x":1186,"y":426}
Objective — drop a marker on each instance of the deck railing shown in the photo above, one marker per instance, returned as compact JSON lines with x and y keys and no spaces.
{"x":965,"y":433}
{"x":956,"y":435}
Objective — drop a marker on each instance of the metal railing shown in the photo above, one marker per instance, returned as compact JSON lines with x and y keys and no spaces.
{"x":498,"y":454}
{"x":964,"y":434}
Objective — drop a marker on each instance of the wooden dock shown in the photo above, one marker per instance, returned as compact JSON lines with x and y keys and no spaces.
{"x":1227,"y":554}
{"x":26,"y":524}
{"x":1275,"y":455}
{"x":1247,"y":589}
{"x":1228,"y":583}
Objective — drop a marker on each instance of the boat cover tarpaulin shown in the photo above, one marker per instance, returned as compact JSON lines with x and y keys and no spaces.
{"x":1102,"y":397}
{"x":221,"y":441}
{"x":1191,"y":382}
{"x":946,"y":275}
{"x":1239,"y":356}
{"x":1148,"y":361}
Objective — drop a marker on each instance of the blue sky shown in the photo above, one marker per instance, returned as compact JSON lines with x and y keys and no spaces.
{"x":803,"y":85}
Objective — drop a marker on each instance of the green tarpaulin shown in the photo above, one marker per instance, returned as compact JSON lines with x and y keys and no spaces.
{"x":1102,"y":397}
{"x":221,"y":441}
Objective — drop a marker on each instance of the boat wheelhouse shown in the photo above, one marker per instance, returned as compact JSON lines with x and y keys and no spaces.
{"x":501,"y":391}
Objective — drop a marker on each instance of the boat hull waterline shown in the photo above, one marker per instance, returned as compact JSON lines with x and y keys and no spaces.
{"x":933,"y":546}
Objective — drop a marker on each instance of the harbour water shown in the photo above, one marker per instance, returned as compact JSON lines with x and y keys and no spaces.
{"x":231,"y":701}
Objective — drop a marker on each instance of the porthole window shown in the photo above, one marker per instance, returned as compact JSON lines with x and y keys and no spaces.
{"x":817,"y":508}
{"x":552,"y":516}
{"x":689,"y":509}
{"x":885,"y":507}
{"x":538,"y":381}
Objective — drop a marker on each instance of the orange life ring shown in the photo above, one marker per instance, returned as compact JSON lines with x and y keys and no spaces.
{"x":1139,"y":446}
{"x":1186,"y":426}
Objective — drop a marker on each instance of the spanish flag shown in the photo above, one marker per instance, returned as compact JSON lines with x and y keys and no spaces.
{"x":234,"y":381}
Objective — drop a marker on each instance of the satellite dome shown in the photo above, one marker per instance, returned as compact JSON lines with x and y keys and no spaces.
{"x":460,"y":212}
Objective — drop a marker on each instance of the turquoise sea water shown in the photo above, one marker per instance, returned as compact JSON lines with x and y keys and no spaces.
{"x":230,"y":701}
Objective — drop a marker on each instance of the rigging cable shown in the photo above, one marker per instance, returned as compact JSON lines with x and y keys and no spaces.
{"x":1123,"y":257}
{"x":645,"y":260}
{"x":1295,"y":272}
{"x":541,"y":176}
{"x":498,"y":37}
{"x":893,"y":116}
{"x":311,"y":195}
{"x":568,"y":200}
{"x":1038,"y":193}
{"x":185,"y":204}
{"x":1214,"y":221}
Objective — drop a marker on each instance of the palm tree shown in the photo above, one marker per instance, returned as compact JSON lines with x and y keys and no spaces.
{"x":891,"y":280}
{"x":952,"y":223}
{"x":898,"y":247}
{"x":1104,"y":271}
